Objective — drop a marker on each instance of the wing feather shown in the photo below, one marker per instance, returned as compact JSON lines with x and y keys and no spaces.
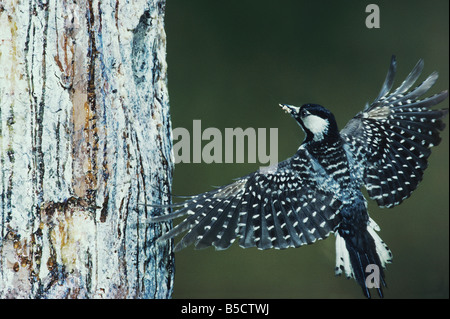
{"x":393,"y":136}
{"x":279,"y":209}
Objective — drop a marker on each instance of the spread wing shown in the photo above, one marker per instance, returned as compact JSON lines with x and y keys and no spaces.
{"x":267,"y":209}
{"x":393,"y":136}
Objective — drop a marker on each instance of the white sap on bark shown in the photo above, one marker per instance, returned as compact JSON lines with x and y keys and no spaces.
{"x":85,"y":144}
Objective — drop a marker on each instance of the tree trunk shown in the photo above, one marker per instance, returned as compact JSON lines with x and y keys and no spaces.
{"x":85,"y":144}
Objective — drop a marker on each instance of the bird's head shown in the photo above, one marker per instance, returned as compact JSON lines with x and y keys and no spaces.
{"x":317,"y":122}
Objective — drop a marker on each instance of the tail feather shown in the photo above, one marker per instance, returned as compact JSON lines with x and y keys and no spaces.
{"x":383,"y":251}
{"x":363,"y":258}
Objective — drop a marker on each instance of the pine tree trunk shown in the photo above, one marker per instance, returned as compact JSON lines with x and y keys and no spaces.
{"x":84,"y":146}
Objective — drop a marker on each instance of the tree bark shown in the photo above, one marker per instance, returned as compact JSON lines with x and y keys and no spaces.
{"x":85,"y":145}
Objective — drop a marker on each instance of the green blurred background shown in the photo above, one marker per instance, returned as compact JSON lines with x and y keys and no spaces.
{"x":231,"y":63}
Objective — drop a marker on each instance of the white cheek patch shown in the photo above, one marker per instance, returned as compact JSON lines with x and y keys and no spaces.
{"x":317,"y":125}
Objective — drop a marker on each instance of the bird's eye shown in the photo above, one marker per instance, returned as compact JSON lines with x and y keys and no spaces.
{"x":303,"y":113}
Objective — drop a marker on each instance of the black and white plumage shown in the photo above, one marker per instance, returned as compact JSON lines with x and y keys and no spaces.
{"x":317,"y":191}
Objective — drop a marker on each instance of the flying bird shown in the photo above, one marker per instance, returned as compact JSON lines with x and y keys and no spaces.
{"x":317,"y":191}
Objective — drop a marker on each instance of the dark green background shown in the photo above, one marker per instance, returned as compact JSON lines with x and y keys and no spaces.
{"x":232,"y":62}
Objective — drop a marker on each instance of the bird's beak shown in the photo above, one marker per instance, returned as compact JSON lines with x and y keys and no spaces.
{"x":289,"y":108}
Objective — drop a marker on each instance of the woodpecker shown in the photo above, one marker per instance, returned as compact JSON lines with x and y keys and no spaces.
{"x":317,"y":191}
